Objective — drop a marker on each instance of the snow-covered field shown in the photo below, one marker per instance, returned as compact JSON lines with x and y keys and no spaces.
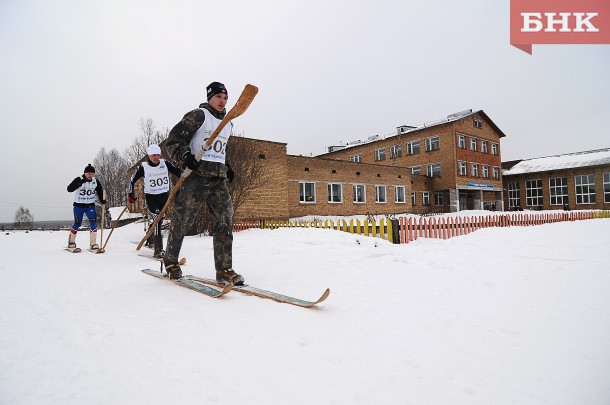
{"x":516,"y":315}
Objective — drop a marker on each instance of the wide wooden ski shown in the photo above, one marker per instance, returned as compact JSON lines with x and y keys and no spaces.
{"x":74,"y":249}
{"x":250,"y":290}
{"x":187,"y":283}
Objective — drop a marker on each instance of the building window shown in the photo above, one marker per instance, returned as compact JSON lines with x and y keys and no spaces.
{"x":514,"y":195}
{"x":494,"y":149}
{"x":381,"y":194}
{"x":485,"y":171}
{"x":335,"y":194}
{"x":413,"y":148}
{"x":607,"y":187}
{"x":415,"y":169}
{"x":355,"y":158}
{"x":395,"y":151}
{"x":496,"y":172}
{"x":558,"y":190}
{"x":399,"y":195}
{"x":473,"y":144}
{"x":474,"y":169}
{"x":379,"y":154}
{"x":462,"y":168}
{"x":439,"y":199}
{"x":585,"y":189}
{"x":484,"y":146}
{"x":433,"y":143}
{"x":425,"y":198}
{"x":359,"y":193}
{"x":461,"y":141}
{"x":433,"y":170}
{"x":413,"y":198}
{"x":307,"y":192}
{"x":477,"y":123}
{"x":533,"y":193}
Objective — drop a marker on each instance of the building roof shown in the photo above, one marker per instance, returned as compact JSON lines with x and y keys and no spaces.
{"x":558,"y":162}
{"x":411,"y":129}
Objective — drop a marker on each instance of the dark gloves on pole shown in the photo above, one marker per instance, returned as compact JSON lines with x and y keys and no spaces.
{"x":189,"y":160}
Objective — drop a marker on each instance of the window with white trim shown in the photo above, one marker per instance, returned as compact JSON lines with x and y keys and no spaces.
{"x":425,"y":195}
{"x":585,"y":189}
{"x":461,"y":141}
{"x":514,"y":194}
{"x":381,"y":194}
{"x":533,"y":193}
{"x":356,"y":158}
{"x":484,"y":146}
{"x":433,"y":170}
{"x":474,"y":169}
{"x":558,"y":190}
{"x":433,"y":143}
{"x":307,"y":192}
{"x":335,"y":193}
{"x":495,"y":172}
{"x":413,"y":197}
{"x":477,"y":123}
{"x":462,"y":168}
{"x":485,"y":171}
{"x":413,"y":148}
{"x":395,"y":151}
{"x":399,"y":195}
{"x":607,"y":187}
{"x":474,"y":144}
{"x":379,"y":154}
{"x":439,"y":200}
{"x":415,"y":169}
{"x":359,"y":191}
{"x":494,"y":149}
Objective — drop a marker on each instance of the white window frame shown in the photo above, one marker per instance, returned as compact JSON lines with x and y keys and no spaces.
{"x":514,"y":194}
{"x":304,"y":194}
{"x":558,"y":190}
{"x":474,"y":144}
{"x":433,"y":168}
{"x":357,"y":158}
{"x":425,"y":197}
{"x":462,"y":168}
{"x":606,"y":185}
{"x":439,"y":199}
{"x":413,"y":198}
{"x":400,"y":196}
{"x":474,"y":170}
{"x":477,"y":123}
{"x":331,"y":193}
{"x":395,"y":151}
{"x":415,"y":169}
{"x":461,"y":141}
{"x":533,"y":193}
{"x":494,"y":149}
{"x":379,"y":154}
{"x":484,"y":146}
{"x":585,"y":189}
{"x":355,"y":194}
{"x":381,"y":194}
{"x":413,"y":147}
{"x":495,"y":172}
{"x":485,"y":171}
{"x":433,"y":143}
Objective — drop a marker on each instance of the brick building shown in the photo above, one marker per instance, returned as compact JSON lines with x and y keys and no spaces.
{"x":455,"y":162}
{"x":570,"y":181}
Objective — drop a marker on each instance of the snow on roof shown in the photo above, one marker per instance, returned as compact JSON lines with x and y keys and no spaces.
{"x":558,"y":162}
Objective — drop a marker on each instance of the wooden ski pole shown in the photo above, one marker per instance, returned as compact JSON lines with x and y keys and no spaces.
{"x":100,"y":250}
{"x":116,"y":222}
{"x":240,"y":107}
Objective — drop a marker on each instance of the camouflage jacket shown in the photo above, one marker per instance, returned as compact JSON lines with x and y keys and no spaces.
{"x":180,"y":136}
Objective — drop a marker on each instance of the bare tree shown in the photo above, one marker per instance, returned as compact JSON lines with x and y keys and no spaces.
{"x":23,"y":218}
{"x":149,"y":134}
{"x":111,"y":168}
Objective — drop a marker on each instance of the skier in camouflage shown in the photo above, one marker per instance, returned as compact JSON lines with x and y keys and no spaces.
{"x":207,"y":184}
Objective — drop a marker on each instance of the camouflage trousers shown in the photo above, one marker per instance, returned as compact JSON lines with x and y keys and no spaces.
{"x":194,"y":193}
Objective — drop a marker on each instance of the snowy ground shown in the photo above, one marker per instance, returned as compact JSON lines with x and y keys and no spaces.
{"x":503,"y":316}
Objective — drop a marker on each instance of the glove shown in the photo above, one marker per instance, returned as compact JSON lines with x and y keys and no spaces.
{"x":230,"y":173}
{"x":189,"y":160}
{"x":131,"y":198}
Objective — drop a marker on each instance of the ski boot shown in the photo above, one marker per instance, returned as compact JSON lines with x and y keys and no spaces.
{"x":72,"y":240}
{"x":173,"y":270}
{"x":159,"y":255}
{"x":93,"y":240}
{"x":159,"y":252}
{"x":229,"y":276}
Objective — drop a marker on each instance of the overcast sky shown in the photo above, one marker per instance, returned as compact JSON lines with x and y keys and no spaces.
{"x":77,"y":76}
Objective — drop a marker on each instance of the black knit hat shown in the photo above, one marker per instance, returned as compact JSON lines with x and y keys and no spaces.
{"x":215,"y":88}
{"x":89,"y":169}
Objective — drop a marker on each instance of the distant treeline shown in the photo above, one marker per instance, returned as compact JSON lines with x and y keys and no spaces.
{"x":39,"y":225}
